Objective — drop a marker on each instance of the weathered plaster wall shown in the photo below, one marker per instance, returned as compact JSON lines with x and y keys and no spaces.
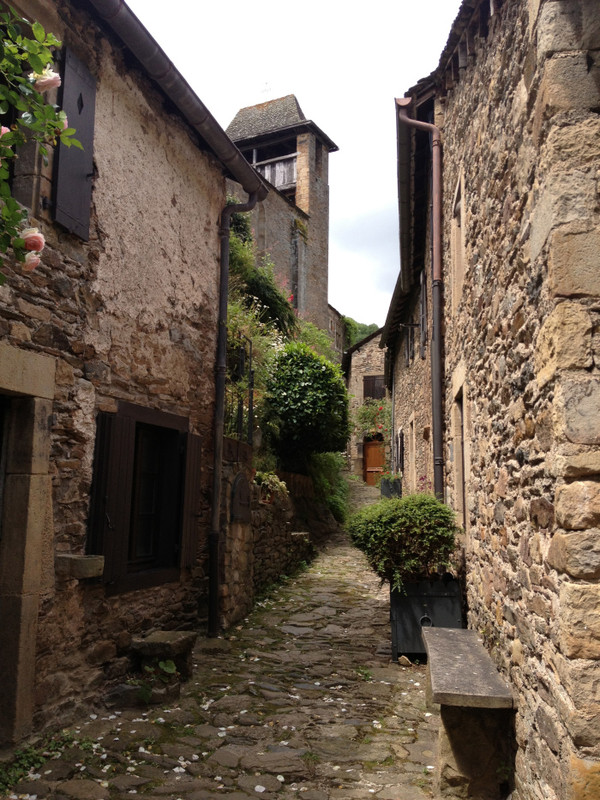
{"x":129,"y":315}
{"x":522,"y":129}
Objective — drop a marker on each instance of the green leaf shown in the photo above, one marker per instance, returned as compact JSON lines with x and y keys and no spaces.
{"x":38,"y":31}
{"x":36,"y":62}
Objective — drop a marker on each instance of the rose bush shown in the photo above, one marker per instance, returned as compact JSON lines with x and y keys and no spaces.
{"x":26,"y":73}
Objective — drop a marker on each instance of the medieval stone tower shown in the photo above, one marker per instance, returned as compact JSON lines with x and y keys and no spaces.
{"x":292,"y":224}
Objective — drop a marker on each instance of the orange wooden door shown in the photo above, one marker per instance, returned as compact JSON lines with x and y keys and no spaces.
{"x":373,"y":461}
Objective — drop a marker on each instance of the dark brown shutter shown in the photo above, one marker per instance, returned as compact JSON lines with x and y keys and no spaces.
{"x":72,"y":184}
{"x":191,"y":501}
{"x":119,"y":476}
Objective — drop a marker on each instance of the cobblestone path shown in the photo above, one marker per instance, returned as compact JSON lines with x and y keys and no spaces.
{"x":298,"y":701}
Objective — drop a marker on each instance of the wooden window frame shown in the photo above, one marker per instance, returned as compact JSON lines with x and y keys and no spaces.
{"x":114,"y":492}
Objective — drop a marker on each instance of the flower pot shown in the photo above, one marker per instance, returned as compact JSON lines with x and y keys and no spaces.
{"x":425,"y":603}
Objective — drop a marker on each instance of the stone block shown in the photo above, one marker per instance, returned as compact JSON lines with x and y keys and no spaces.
{"x":578,"y":505}
{"x":579,"y":620}
{"x":28,"y":450}
{"x":569,"y":83}
{"x":577,"y":554}
{"x":585,"y":779}
{"x":577,"y":409}
{"x":574,"y":264}
{"x":566,"y":197}
{"x":565,"y":25}
{"x":79,"y":567}
{"x":26,"y":373}
{"x":167,"y":645}
{"x":578,"y":465}
{"x":564,"y":341}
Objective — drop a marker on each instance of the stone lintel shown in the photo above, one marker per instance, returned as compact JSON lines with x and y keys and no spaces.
{"x":22,"y":372}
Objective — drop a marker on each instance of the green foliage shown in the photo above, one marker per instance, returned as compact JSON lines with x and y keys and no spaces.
{"x":25,"y":75}
{"x":30,"y":758}
{"x":350,"y":331}
{"x":316,"y":338}
{"x":373,"y":417}
{"x":405,"y":539}
{"x":326,"y":471}
{"x":357,"y":331}
{"x":254,"y":280}
{"x":270,"y":484}
{"x":307,"y":406}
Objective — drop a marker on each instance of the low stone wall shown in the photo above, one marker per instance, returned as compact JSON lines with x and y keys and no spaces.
{"x":262,"y":541}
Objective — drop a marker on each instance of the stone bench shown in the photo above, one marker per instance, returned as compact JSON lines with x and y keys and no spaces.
{"x":176,"y":646}
{"x":476,"y":752}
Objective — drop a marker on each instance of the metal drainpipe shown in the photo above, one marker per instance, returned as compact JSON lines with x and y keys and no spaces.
{"x":402,"y":105}
{"x":214,"y":578}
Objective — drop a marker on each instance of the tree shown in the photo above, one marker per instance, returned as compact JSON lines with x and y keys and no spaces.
{"x":307,"y":406}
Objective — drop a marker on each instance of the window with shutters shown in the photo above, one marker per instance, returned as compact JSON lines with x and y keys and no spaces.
{"x":374,"y":386}
{"x":74,"y":168}
{"x":143,"y":516}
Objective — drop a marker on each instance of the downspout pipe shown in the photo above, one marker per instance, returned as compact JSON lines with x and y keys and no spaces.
{"x":402,"y":106}
{"x":214,"y":554}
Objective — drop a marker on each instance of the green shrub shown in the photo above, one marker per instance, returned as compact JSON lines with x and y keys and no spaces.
{"x":326,"y":471}
{"x":405,"y":538}
{"x":307,"y":406}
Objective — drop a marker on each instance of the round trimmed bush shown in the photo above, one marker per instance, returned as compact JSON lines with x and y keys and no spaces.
{"x":406,"y":538}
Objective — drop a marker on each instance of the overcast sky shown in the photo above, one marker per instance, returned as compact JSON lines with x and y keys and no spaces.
{"x":345,"y":67}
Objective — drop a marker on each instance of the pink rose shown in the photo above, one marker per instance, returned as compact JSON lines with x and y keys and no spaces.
{"x":34,"y":240}
{"x":47,"y":80}
{"x":4,"y":130}
{"x":31,"y":262}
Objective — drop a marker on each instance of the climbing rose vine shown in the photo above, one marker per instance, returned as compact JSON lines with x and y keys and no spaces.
{"x":26,"y":73}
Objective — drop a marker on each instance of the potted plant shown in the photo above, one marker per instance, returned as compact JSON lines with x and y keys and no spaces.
{"x":391,"y":484}
{"x":409,"y":543}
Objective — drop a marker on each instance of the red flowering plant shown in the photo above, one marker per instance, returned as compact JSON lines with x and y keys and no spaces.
{"x":373,"y":419}
{"x":26,"y":74}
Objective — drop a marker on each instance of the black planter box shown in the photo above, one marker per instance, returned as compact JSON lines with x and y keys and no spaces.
{"x":436,"y":603}
{"x":391,"y":487}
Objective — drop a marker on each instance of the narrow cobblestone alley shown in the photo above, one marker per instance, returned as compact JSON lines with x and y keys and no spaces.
{"x":301,"y":700}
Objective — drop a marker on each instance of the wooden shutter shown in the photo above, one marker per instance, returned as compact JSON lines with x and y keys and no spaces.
{"x":191,"y":501}
{"x":119,"y":476}
{"x":72,"y":183}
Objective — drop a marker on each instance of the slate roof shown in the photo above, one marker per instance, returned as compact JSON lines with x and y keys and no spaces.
{"x":256,"y":123}
{"x":266,"y":117}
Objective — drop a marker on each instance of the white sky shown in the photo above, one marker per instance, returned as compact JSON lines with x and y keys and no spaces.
{"x":345,"y":68}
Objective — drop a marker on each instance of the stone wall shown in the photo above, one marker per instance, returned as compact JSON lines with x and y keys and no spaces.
{"x":266,"y":545}
{"x":296,"y":235}
{"x":521,"y":137}
{"x":367,"y":359}
{"x":129,"y":315}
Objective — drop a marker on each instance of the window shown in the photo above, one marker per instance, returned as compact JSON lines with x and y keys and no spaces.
{"x":144,"y":496}
{"x":374,"y":386}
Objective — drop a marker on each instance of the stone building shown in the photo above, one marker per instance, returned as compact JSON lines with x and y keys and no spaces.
{"x":506,"y":412}
{"x":364,"y":369}
{"x":107,"y":363}
{"x":292,"y":225}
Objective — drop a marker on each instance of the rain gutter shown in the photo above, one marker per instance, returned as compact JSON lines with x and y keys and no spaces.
{"x":402,"y":106}
{"x":214,"y":554}
{"x":146,"y":49}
